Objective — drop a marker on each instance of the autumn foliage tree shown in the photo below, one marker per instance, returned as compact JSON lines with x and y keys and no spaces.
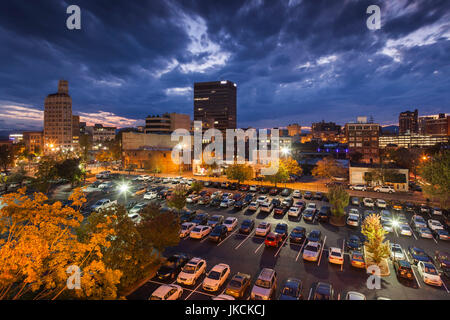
{"x":339,"y":199}
{"x":375,"y":234}
{"x":197,"y":186}
{"x":239,"y":172}
{"x":177,"y":199}
{"x":436,"y":173}
{"x":38,"y":245}
{"x":328,"y":168}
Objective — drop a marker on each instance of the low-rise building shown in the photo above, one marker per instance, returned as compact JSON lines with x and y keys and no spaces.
{"x":34,"y":141}
{"x":411,"y":140}
{"x":362,"y":173}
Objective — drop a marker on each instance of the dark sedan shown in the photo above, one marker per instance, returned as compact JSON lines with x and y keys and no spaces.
{"x":247,"y":226}
{"x":354,"y":243}
{"x":417,"y":254}
{"x":298,"y":234}
{"x":322,"y":291}
{"x":219,"y":233}
{"x":172,"y":266}
{"x":292,"y":290}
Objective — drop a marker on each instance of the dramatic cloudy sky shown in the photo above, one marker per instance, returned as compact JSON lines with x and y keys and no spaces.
{"x":293,"y":60}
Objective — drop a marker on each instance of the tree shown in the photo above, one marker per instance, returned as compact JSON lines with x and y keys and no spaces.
{"x":292,"y":166}
{"x":6,"y":157}
{"x":328,"y":168}
{"x":18,"y":176}
{"x":339,"y":199}
{"x":239,"y":172}
{"x":375,"y":234}
{"x":85,"y":146}
{"x":41,"y":246}
{"x":70,"y":170}
{"x":46,"y":172}
{"x":282,"y":175}
{"x":177,"y":199}
{"x":197,"y":186}
{"x":436,"y":173}
{"x":407,"y":158}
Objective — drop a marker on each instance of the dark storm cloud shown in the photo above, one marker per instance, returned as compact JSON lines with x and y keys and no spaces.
{"x":293,"y":61}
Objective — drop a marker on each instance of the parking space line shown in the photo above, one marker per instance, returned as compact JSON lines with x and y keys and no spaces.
{"x":259,"y":247}
{"x":194,"y":290}
{"x":443,"y":283}
{"x":237,"y":247}
{"x":301,"y":248}
{"x":309,"y":296}
{"x":343,"y":256}
{"x":204,"y":239}
{"x":321,"y":252}
{"x":227,"y":237}
{"x":282,"y":245}
{"x":417,"y":279}
{"x":339,"y":296}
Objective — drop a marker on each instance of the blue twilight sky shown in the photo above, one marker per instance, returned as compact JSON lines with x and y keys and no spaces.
{"x":293,"y":60}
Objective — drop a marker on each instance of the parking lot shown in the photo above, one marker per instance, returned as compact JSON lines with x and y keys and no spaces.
{"x":248,"y":254}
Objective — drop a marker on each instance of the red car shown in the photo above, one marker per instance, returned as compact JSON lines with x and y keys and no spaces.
{"x":244,"y":187}
{"x":273,"y":240}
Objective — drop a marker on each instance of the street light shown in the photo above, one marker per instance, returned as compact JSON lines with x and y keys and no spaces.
{"x":285,"y":151}
{"x":123,"y":187}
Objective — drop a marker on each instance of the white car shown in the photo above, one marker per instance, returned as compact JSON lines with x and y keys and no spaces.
{"x":142,"y":177}
{"x":226,"y":203}
{"x":294,"y":211}
{"x":353,"y":218}
{"x":359,"y":187}
{"x":216,"y":194}
{"x":296,"y":194}
{"x":192,"y":271}
{"x":186,"y":229}
{"x":224,"y":297}
{"x":253,"y":206}
{"x":353,"y":295}
{"x":263,"y":229}
{"x":335,"y":255}
{"x":266,"y":206}
{"x":435,"y":225}
{"x":381,"y":203}
{"x":368,"y":202}
{"x":311,"y":205}
{"x":167,"y":292}
{"x":216,"y":277}
{"x":397,"y":252}
{"x":312,"y":251}
{"x":418,"y":221}
{"x":386,"y":216}
{"x":150,"y":195}
{"x":253,"y":188}
{"x":138,"y":207}
{"x":230,"y":223}
{"x":135,"y":217}
{"x":404,"y":229}
{"x":385,"y":189}
{"x":199,"y":232}
{"x":102,"y":204}
{"x":424,"y":233}
{"x":261,"y":199}
{"x":429,"y":273}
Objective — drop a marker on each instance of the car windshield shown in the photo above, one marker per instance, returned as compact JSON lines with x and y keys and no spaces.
{"x":287,"y":291}
{"x":270,"y":238}
{"x":228,"y":221}
{"x":311,"y":248}
{"x":335,"y":254}
{"x":185,"y":227}
{"x":263,"y":283}
{"x":296,"y":231}
{"x":197,"y":229}
{"x":214,"y":218}
{"x":214,"y":275}
{"x":430,"y":270}
{"x":246,"y":223}
{"x":319,"y":296}
{"x":189,"y":268}
{"x":234,"y":284}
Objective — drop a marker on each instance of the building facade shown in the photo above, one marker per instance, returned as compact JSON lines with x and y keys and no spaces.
{"x":408,"y":122}
{"x":408,"y":140}
{"x":58,"y":119}
{"x":363,"y":137}
{"x":101,"y":133}
{"x":167,"y":123}
{"x":438,"y":125}
{"x":34,"y":141}
{"x":326,"y":131}
{"x":395,"y":177}
{"x":216,"y":101}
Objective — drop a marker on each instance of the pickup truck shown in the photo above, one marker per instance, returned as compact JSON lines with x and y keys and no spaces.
{"x":102,"y":204}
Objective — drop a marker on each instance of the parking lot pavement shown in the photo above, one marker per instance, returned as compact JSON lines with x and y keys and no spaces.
{"x":248,"y":254}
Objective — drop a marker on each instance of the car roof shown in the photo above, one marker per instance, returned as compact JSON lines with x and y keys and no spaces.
{"x":195,"y":260}
{"x":220,"y":267}
{"x":266,"y":274}
{"x":163,"y":290}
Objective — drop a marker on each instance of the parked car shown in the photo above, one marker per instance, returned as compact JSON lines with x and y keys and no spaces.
{"x":254,"y":206}
{"x":403,"y":269}
{"x":291,"y":290}
{"x":201,"y":218}
{"x":309,"y":214}
{"x":297,"y":194}
{"x":282,"y":228}
{"x":397,"y":252}
{"x":247,"y":226}
{"x":261,"y":199}
{"x":324,"y":214}
{"x":186,"y":229}
{"x":199,"y":232}
{"x":418,"y":221}
{"x":265,"y":285}
{"x":435,"y":224}
{"x":307,"y":195}
{"x":192,"y":271}
{"x":354,"y":243}
{"x":417,"y":254}
{"x":368,"y":202}
{"x":172,"y":266}
{"x":318,"y":196}
{"x":219,"y":233}
{"x":294,"y":212}
{"x":380,"y":203}
{"x":298,"y":234}
{"x":230,"y":223}
{"x":273,"y":240}
{"x":353,"y":295}
{"x":167,"y":292}
{"x":441,"y":234}
{"x":384,"y":189}
{"x":314,"y":236}
{"x":357,"y":260}
{"x":285,"y":192}
{"x":263,"y":229}
{"x":355,"y":201}
{"x":266,"y":207}
{"x":335,"y":255}
{"x":215,"y":220}
{"x":216,"y":277}
{"x":359,"y":187}
{"x":429,"y":273}
{"x":311,"y":251}
{"x":442,"y":260}
{"x":322,"y":291}
{"x":404,"y":229}
{"x":353,"y":218}
{"x":238,"y":285}
{"x":425,"y":233}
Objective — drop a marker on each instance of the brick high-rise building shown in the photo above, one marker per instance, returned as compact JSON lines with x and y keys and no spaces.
{"x":438,"y":125}
{"x":363,"y":137}
{"x":58,"y":120}
{"x":408,"y":122}
{"x":216,"y":100}
{"x":167,"y":123}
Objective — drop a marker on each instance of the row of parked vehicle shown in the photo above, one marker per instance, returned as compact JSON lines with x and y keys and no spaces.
{"x":188,"y":271}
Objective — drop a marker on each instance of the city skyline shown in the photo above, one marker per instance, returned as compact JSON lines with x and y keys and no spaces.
{"x":323,"y":62}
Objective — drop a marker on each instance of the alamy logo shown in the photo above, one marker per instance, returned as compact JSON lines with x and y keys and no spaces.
{"x":374,"y":21}
{"x":374,"y":280}
{"x":74,"y":280}
{"x":74,"y":20}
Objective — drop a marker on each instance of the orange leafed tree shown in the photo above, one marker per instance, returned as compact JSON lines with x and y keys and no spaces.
{"x":38,"y":244}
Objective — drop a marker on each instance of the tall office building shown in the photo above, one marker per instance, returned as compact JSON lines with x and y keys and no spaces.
{"x":167,"y":123}
{"x":408,"y":122}
{"x":58,"y":119}
{"x":216,"y":101}
{"x":363,"y":137}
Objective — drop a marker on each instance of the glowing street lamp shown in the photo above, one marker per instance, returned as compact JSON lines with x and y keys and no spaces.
{"x":285,"y":151}
{"x":123,"y":187}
